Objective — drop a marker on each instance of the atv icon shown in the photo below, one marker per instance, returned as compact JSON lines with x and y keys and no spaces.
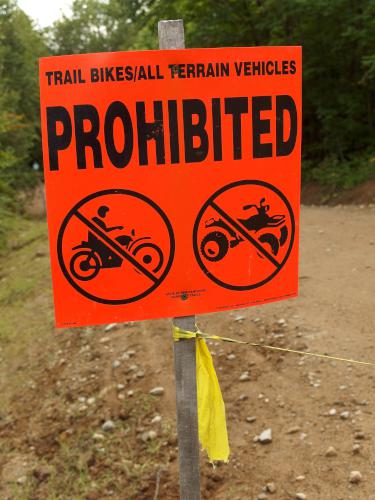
{"x":216,"y":244}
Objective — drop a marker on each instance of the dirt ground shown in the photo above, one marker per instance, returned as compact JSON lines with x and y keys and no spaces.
{"x":58,"y":388}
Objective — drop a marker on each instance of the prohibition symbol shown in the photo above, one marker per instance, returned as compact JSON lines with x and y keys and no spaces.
{"x":244,"y":234}
{"x":115,"y":246}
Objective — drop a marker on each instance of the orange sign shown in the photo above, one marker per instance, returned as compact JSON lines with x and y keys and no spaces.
{"x":172,"y":180}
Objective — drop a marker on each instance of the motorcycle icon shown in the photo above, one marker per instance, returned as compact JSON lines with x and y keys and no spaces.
{"x":216,"y":244}
{"x":93,"y":255}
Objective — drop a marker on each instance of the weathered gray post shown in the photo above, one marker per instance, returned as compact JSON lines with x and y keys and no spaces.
{"x":171,"y":36}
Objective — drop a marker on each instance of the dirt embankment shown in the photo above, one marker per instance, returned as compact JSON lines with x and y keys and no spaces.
{"x":315,"y":194}
{"x":311,"y":194}
{"x":59,"y":388}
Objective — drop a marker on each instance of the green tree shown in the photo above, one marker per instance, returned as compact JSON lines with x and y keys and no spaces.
{"x":338,"y":39}
{"x":20,"y":46}
{"x":98,"y":26}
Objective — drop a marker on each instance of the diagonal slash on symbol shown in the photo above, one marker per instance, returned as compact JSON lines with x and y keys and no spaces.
{"x":115,"y":246}
{"x":245,"y":234}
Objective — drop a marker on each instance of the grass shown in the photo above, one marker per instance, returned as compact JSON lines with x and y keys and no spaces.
{"x":25,"y":300}
{"x":25,"y":282}
{"x":83,"y":467}
{"x":121,"y":465}
{"x":80,"y":466}
{"x":338,"y":174}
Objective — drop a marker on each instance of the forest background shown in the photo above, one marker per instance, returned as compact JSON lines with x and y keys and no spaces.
{"x":338,"y":39}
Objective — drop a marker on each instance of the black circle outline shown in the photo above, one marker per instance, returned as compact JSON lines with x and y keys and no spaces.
{"x":218,"y":235}
{"x":198,"y":220}
{"x":96,"y":195}
{"x":136,"y":249}
{"x":87,"y":252}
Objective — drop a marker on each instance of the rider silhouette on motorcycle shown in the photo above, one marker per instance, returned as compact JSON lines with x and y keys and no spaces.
{"x":102,"y":212}
{"x":94,"y":254}
{"x":106,"y":253}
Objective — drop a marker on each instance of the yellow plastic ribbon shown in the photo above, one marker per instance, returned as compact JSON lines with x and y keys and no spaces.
{"x":212,"y":426}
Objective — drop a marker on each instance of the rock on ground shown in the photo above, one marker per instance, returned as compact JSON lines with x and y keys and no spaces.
{"x":266,"y":436}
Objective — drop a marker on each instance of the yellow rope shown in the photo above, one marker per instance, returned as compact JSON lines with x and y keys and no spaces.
{"x":183,"y":334}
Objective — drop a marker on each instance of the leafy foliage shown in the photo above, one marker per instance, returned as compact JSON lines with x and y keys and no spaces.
{"x":338,"y":175}
{"x":338,"y":39}
{"x":98,"y":26}
{"x":20,"y":46}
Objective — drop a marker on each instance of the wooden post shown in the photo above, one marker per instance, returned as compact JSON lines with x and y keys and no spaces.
{"x":171,"y":36}
{"x":187,"y":414}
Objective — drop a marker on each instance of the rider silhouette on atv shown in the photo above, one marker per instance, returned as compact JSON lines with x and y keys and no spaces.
{"x":262,"y":208}
{"x":261,"y":219}
{"x":216,"y":244}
